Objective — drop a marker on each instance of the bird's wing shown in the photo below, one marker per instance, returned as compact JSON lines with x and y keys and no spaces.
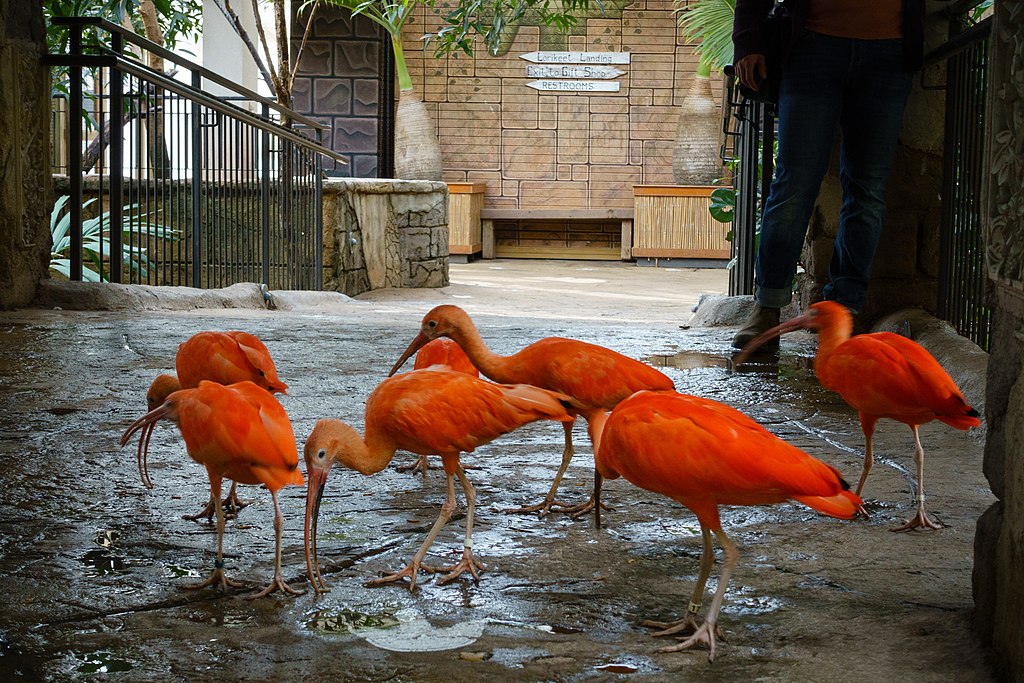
{"x":240,"y":431}
{"x":595,"y":376}
{"x":888,"y":375}
{"x":692,"y":448}
{"x":437,"y":410}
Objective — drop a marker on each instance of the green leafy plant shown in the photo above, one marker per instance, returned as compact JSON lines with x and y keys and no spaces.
{"x":709,"y":24}
{"x":95,"y":233}
{"x":723,"y":204}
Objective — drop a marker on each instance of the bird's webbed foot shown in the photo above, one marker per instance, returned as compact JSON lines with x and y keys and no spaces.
{"x":217,"y":578}
{"x":419,"y":465}
{"x":921,"y":520}
{"x":467,"y":563}
{"x":409,"y":572}
{"x":543,"y":508}
{"x":705,"y":635}
{"x":687,"y":625}
{"x":277,"y":584}
{"x":233,"y":504}
{"x":206,"y":513}
{"x":580,"y":509}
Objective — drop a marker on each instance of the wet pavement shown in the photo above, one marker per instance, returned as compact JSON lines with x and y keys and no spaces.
{"x":93,"y":564}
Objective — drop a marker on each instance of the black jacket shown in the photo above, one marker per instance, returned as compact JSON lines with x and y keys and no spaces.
{"x":748,"y":36}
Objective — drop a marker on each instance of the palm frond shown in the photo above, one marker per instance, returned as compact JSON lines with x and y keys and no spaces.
{"x":708,"y":23}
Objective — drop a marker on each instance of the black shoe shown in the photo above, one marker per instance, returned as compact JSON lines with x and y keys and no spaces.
{"x":761,"y":320}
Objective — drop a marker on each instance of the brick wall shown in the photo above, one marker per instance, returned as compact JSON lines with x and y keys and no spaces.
{"x":538,"y":149}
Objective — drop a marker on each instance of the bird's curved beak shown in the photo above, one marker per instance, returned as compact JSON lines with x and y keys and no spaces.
{"x":414,"y":346}
{"x":317,"y":481}
{"x":797,"y":323}
{"x":146,"y":423}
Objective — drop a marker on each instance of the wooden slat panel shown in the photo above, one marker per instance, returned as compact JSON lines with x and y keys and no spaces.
{"x":669,"y":224}
{"x":465,"y":201}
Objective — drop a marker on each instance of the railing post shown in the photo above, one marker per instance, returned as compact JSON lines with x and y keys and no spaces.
{"x":75,"y":109}
{"x":265,"y":192}
{"x":116,"y":165}
{"x":318,"y":221}
{"x":197,"y":180}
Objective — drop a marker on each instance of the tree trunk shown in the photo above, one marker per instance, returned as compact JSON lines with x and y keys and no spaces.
{"x":417,"y":150}
{"x":695,"y":160}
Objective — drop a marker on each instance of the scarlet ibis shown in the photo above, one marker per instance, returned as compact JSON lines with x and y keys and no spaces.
{"x":880,"y":375}
{"x":595,"y":378}
{"x":435,"y":411}
{"x":703,"y":454}
{"x":225,"y":358}
{"x":240,"y":432}
{"x":439,"y":352}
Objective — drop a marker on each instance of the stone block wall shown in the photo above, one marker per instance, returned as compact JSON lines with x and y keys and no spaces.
{"x":26,"y":194}
{"x":341,"y":83}
{"x":384,"y":233}
{"x":999,"y":538}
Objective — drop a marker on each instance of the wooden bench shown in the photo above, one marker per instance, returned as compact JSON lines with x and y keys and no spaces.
{"x":489,"y":215}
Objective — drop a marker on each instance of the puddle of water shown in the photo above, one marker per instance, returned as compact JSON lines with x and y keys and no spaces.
{"x":617,"y":668}
{"x":419,"y":635}
{"x":101,"y":562}
{"x":350,"y":621}
{"x":101,"y":662}
{"x":688,"y":360}
{"x":178,"y":572}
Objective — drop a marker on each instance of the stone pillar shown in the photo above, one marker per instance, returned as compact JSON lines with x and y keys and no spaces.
{"x":26,"y":192}
{"x":999,"y":553}
{"x":384,"y":233}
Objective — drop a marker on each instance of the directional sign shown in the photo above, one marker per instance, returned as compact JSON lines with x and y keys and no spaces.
{"x":574,"y":71}
{"x":545,"y":57}
{"x":575,"y":86}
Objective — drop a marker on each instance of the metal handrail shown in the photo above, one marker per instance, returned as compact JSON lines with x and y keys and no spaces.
{"x":150,"y":46}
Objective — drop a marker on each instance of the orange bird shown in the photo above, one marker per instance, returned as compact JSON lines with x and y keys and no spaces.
{"x":240,"y":432}
{"x":224,"y":358}
{"x":593,"y":377}
{"x":880,"y":375}
{"x":439,"y":352}
{"x":703,"y":454}
{"x":435,"y":411}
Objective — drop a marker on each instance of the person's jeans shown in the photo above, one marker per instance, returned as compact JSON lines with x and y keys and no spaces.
{"x":861,"y":86}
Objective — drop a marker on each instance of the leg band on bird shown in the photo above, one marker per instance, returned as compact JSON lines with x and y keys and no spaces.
{"x":219,"y":564}
{"x":694,"y":608}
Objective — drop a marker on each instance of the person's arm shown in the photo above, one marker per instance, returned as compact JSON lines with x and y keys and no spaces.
{"x":748,"y":41}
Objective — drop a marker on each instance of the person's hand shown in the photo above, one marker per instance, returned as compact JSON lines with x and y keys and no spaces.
{"x":751,"y":70}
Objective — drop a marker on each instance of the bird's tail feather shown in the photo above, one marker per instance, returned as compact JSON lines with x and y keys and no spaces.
{"x":539,"y":403}
{"x":964,"y":418}
{"x":844,"y":505}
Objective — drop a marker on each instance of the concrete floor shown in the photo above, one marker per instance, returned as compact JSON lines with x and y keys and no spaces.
{"x":92,"y":563}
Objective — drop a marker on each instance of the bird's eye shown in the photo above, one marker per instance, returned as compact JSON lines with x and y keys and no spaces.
{"x":432,"y":324}
{"x":321,"y":454}
{"x":262,"y":374}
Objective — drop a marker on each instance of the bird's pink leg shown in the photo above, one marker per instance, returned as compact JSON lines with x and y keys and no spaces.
{"x":708,"y":631}
{"x":544,"y":507}
{"x":468,"y":562}
{"x":218,"y":577}
{"x":867,"y":424}
{"x":413,"y":567}
{"x":689,"y":622}
{"x":921,"y":519}
{"x":277,"y":583}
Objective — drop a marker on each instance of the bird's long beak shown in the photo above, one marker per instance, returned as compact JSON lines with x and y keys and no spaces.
{"x":796,"y":323}
{"x":146,"y":424}
{"x":317,"y":481}
{"x":414,"y":346}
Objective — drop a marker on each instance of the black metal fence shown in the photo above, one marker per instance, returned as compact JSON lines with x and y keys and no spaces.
{"x":748,"y":147}
{"x":962,"y":278}
{"x":179,"y":182}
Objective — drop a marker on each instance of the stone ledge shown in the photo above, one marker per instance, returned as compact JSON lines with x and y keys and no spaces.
{"x":105,"y":296}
